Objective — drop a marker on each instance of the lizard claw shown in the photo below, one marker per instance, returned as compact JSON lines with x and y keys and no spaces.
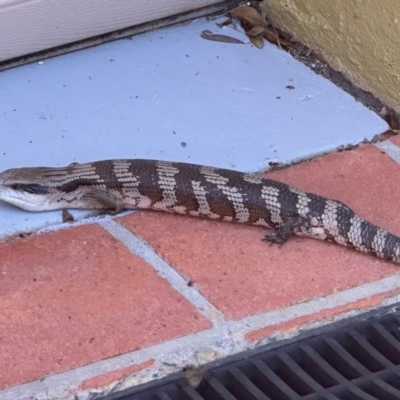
{"x":274,"y":238}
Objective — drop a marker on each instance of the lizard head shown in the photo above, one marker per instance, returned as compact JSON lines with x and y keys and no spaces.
{"x":23,"y":187}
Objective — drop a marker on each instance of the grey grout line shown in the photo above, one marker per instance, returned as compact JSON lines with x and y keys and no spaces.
{"x":86,"y":220}
{"x":318,"y":304}
{"x":143,"y":250}
{"x":390,"y":149}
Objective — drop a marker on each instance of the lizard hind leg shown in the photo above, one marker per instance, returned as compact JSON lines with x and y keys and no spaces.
{"x":289,"y":226}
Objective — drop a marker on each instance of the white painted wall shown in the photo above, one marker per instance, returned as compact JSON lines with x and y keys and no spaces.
{"x":28,"y":26}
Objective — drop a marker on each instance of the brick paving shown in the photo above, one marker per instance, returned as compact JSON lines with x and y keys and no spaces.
{"x":79,"y":309}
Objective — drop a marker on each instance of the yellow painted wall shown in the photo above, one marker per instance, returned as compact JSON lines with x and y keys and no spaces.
{"x":360,"y":38}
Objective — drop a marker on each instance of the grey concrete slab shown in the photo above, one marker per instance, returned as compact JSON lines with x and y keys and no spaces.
{"x":170,"y":94}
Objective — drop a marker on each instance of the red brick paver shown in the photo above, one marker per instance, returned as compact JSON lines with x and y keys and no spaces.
{"x":71,"y":297}
{"x":243,"y":276}
{"x":295,"y":324}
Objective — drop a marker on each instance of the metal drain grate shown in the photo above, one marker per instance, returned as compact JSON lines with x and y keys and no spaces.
{"x":358,"y":362}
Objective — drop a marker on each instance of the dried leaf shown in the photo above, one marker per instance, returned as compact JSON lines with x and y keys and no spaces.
{"x":272,"y":36}
{"x":219,"y":38}
{"x":257,"y":41}
{"x":253,"y":22}
{"x":256,"y":36}
{"x":251,"y":18}
{"x":256,"y":31}
{"x":249,"y":15}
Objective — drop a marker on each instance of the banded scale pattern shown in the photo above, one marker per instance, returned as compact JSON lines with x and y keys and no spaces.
{"x":198,"y":191}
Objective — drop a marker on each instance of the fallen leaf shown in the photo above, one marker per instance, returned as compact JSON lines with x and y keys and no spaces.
{"x":256,"y":31}
{"x":256,"y":35}
{"x":249,"y":15}
{"x":250,"y":19}
{"x":272,"y":36}
{"x":219,"y":38}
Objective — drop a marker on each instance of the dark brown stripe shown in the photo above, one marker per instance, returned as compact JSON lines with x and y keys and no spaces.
{"x":368,"y":233}
{"x":146,"y":172}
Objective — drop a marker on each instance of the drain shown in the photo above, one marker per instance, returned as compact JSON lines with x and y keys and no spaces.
{"x":359,"y":361}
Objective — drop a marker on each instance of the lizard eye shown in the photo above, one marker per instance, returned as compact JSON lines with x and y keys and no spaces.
{"x":33,"y":188}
